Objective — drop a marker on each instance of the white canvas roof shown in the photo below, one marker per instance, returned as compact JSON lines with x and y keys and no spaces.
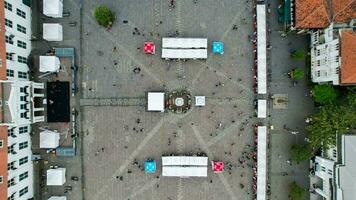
{"x":262,"y":108}
{"x":261,"y":50}
{"x":58,"y":198}
{"x":184,"y":53}
{"x":56,"y":176}
{"x":199,"y":100}
{"x":185,"y":171}
{"x":52,"y":32}
{"x":49,"y":64}
{"x":155,"y":101}
{"x":185,"y":43}
{"x":53,"y":8}
{"x":49,"y":139}
{"x":184,"y":160}
{"x":261,"y":162}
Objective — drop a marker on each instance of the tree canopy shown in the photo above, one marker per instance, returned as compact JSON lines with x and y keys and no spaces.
{"x":297,"y":54}
{"x":296,"y":192}
{"x":300,"y":152}
{"x":324,"y":94}
{"x":297,"y":74}
{"x":104,"y":16}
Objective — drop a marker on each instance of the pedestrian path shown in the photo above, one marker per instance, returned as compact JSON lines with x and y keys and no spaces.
{"x":128,"y":101}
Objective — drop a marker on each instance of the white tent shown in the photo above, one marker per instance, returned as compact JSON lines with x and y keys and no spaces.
{"x":179,"y":171}
{"x":261,"y":50}
{"x":184,"y":53}
{"x":49,"y":139}
{"x":49,"y":64}
{"x":199,"y":100}
{"x":184,"y":161}
{"x":52,"y":32}
{"x":262,"y":108}
{"x":56,"y":176}
{"x":155,"y":101}
{"x":58,"y":198}
{"x":261,"y":162}
{"x":53,"y":8}
{"x":185,"y":43}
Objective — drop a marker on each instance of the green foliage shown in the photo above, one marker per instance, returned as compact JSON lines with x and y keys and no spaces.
{"x":324,"y":94}
{"x":104,"y":16}
{"x":329,"y":121}
{"x":297,"y":74}
{"x":300,"y":152}
{"x":296,"y":192}
{"x":297,"y":54}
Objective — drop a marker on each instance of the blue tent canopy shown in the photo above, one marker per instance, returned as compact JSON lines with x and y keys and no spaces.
{"x":218,"y":47}
{"x":150,"y":166}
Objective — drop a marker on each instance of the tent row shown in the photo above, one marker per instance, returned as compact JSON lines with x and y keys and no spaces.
{"x":53,"y":8}
{"x":184,"y":48}
{"x":180,"y":171}
{"x":261,"y":162}
{"x":261,"y":50}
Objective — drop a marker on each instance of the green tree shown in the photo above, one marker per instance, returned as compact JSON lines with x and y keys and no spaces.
{"x":104,"y":16}
{"x":324,"y":94}
{"x":297,"y":54}
{"x":297,"y":73}
{"x":296,"y":192}
{"x":300,"y":152}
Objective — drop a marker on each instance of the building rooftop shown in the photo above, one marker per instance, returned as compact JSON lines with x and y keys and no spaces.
{"x":344,"y":10}
{"x":348,"y":57}
{"x":311,"y":14}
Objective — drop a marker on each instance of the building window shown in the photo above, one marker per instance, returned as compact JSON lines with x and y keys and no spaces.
{"x":23,"y":129}
{"x":22,"y":98}
{"x":8,"y":6}
{"x":11,"y":182}
{"x":1,"y":143}
{"x":337,"y":70}
{"x":22,"y":89}
{"x":21,"y":44}
{"x":23,"y":106}
{"x":23,"y":160}
{"x":22,"y":75}
{"x":10,"y":149}
{"x":21,"y":29}
{"x":9,"y":56}
{"x":8,"y":23}
{"x":11,"y":165}
{"x":23,"y":176}
{"x":9,"y":40}
{"x":23,"y":191}
{"x":9,"y":73}
{"x":23,"y":145}
{"x":21,"y":13}
{"x":21,"y":59}
{"x":23,"y":115}
{"x":10,"y":132}
{"x":12,"y":197}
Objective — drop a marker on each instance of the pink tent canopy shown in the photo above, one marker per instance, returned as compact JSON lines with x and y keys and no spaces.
{"x":218,"y":167}
{"x":149,"y":48}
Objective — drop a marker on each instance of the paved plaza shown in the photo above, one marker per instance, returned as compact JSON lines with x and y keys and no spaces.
{"x":116,"y":136}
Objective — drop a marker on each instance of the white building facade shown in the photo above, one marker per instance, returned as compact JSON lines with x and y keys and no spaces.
{"x":20,"y":100}
{"x":325,"y":56}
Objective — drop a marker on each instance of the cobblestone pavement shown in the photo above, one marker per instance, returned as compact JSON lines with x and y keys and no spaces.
{"x":299,"y":107}
{"x":112,"y":137}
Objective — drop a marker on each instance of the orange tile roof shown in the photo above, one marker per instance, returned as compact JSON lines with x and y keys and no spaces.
{"x":3,"y":129}
{"x":348,"y":57}
{"x":311,"y":14}
{"x":344,"y":10}
{"x":3,"y":163}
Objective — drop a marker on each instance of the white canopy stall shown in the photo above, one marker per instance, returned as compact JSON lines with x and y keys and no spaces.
{"x":53,"y":8}
{"x":261,"y":162}
{"x":261,"y":50}
{"x":184,"y":160}
{"x":155,"y":101}
{"x":58,"y":198}
{"x":184,"y":53}
{"x":262,"y":108}
{"x":49,"y":64}
{"x":49,"y":139}
{"x":180,"y":171}
{"x":185,"y":166}
{"x":56,"y":176}
{"x":184,"y":43}
{"x":52,"y":32}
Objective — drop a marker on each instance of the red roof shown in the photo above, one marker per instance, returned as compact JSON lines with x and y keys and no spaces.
{"x":218,"y":167}
{"x":348,"y":57}
{"x":311,"y":14}
{"x":344,"y":10}
{"x":149,"y":47}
